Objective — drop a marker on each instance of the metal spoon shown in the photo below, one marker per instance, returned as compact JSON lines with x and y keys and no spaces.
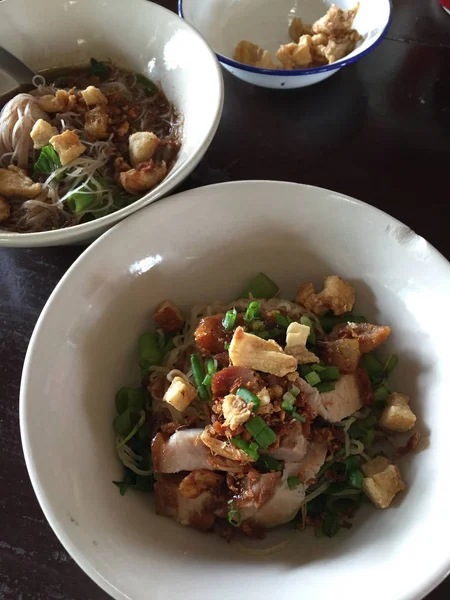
{"x":15,"y":67}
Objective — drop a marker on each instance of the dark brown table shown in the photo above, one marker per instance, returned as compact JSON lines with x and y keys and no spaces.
{"x":379,"y":130}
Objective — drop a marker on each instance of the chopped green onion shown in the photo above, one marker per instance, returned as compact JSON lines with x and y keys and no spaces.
{"x":372,"y":365}
{"x":268,"y":462}
{"x":330,"y":374}
{"x":390,"y":365}
{"x":265,"y":335}
{"x":249,"y":397}
{"x":250,"y":449}
{"x":325,"y":387}
{"x":312,"y":334}
{"x":125,"y":422}
{"x":355,"y":479}
{"x":48,"y":162}
{"x":317,"y":368}
{"x":381,"y":394}
{"x":150,"y":352}
{"x":263,"y":434}
{"x":99,"y":68}
{"x":257,"y":325}
{"x":199,"y":376}
{"x":304,"y":370}
{"x":293,"y":481}
{"x":275,"y":332}
{"x":313,"y":378}
{"x":226,"y":346}
{"x":294,"y":390}
{"x":207,"y":381}
{"x":229,"y":319}
{"x":129,"y":398}
{"x":252,"y":311}
{"x":298,"y":417}
{"x":211,"y":366}
{"x":147,"y":84}
{"x":260,"y":287}
{"x":282,"y":320}
{"x":289,"y":398}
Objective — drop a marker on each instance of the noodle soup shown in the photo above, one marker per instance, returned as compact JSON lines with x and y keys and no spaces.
{"x":84,"y":142}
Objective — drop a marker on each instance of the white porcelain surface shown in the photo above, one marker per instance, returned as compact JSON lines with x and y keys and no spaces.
{"x":224,"y":23}
{"x":199,"y":246}
{"x":138,"y":35}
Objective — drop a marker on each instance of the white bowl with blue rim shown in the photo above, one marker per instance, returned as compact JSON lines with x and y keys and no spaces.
{"x":224,"y":23}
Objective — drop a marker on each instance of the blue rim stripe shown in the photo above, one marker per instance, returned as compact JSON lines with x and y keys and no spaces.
{"x":295,"y":73}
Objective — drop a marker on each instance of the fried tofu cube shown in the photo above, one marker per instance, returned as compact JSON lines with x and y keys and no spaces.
{"x":96,"y":122}
{"x":92,"y":96}
{"x":41,"y":133}
{"x":5,"y":209}
{"x":15,"y":182}
{"x":296,"y":338}
{"x":145,"y":177}
{"x":397,"y":416}
{"x":382,"y":481}
{"x":68,"y":146}
{"x":247,"y":350}
{"x":142,"y":147}
{"x":169,"y":317}
{"x":180,"y":393}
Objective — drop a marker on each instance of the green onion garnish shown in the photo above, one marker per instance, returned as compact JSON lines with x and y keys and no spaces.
{"x":330,"y":374}
{"x":304,"y":370}
{"x":282,"y":320}
{"x":233,"y":516}
{"x":211,"y":366}
{"x":381,"y":394}
{"x":199,"y":376}
{"x":313,"y":378}
{"x":264,"y":435}
{"x":99,"y":68}
{"x":150,"y":351}
{"x":298,"y":417}
{"x":372,"y":365}
{"x":312,"y":334}
{"x":390,"y":365}
{"x":293,"y":481}
{"x":260,"y":287}
{"x":257,"y":325}
{"x":229,"y":319}
{"x":146,"y":83}
{"x":317,"y":368}
{"x":207,"y":380}
{"x":250,"y":449}
{"x":265,"y":335}
{"x":252,"y":311}
{"x":249,"y":397}
{"x":268,"y":462}
{"x":326,"y":386}
{"x":294,"y":390}
{"x":355,"y":479}
{"x":226,"y":346}
{"x":130,"y":398}
{"x":290,"y":398}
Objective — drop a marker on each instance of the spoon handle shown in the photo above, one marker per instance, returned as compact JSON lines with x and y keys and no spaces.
{"x":15,"y":67}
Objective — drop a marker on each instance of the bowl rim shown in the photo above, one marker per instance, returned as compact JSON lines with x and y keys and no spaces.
{"x":429,"y":582}
{"x":299,"y":72}
{"x":84,"y":230}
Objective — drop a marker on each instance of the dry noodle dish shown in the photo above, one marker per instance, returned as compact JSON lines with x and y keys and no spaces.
{"x":83,"y":143}
{"x":265,"y":411}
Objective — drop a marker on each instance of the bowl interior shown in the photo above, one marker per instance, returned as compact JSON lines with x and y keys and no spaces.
{"x":138,"y":35}
{"x":224,"y":23}
{"x":201,"y":246}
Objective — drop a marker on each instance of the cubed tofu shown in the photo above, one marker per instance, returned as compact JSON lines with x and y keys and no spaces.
{"x":15,"y":182}
{"x":92,"y":96}
{"x":382,"y":481}
{"x":145,"y":177}
{"x":96,"y":122}
{"x":169,"y":317}
{"x":41,"y":133}
{"x":180,"y":393}
{"x":397,"y":416}
{"x":68,"y":146}
{"x":142,"y":146}
{"x":247,"y":350}
{"x":5,"y":209}
{"x":296,"y":338}
{"x":236,"y":411}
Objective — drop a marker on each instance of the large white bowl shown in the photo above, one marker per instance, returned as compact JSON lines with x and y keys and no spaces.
{"x":138,"y":35}
{"x":199,"y":246}
{"x":224,"y":23}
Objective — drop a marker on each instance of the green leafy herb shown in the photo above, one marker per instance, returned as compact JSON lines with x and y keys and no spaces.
{"x":293,"y":481}
{"x":150,"y":351}
{"x":100,"y":69}
{"x":260,"y":287}
{"x":355,"y":479}
{"x":282,"y":320}
{"x":146,"y":83}
{"x":312,"y":335}
{"x":127,"y":397}
{"x":390,"y":365}
{"x":48,"y":162}
{"x":268,"y":462}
